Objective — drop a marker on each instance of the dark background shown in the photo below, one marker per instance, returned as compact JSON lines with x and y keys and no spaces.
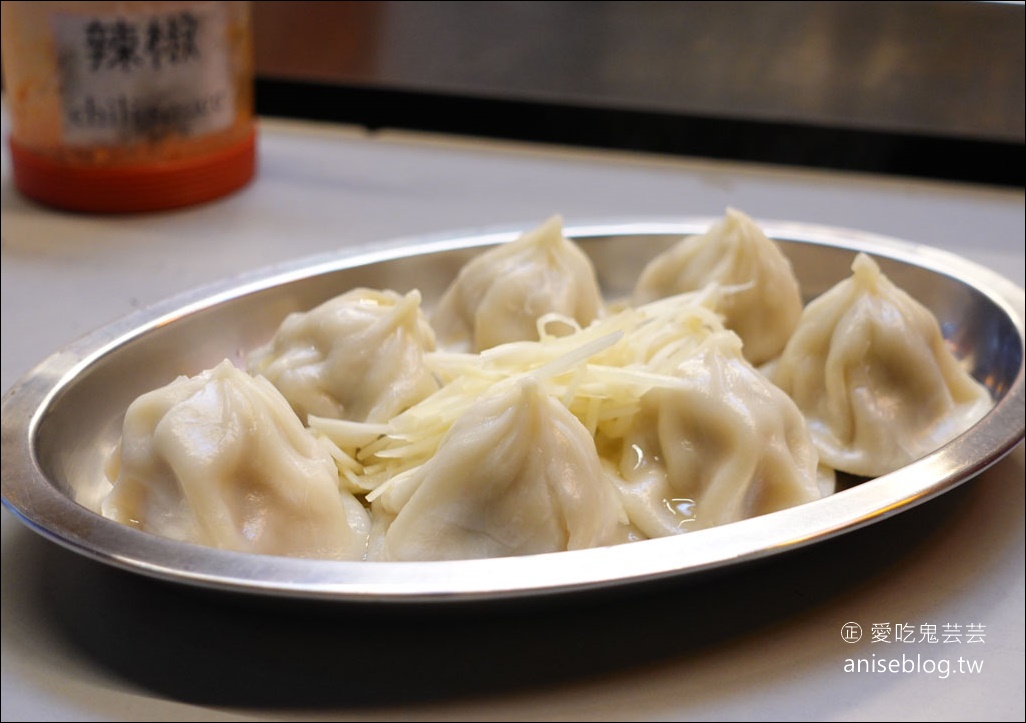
{"x":928,"y":89}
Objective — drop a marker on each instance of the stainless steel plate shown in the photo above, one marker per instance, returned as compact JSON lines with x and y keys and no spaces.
{"x":61,"y":421}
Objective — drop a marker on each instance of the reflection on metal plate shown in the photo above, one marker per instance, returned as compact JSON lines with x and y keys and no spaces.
{"x":61,"y":421}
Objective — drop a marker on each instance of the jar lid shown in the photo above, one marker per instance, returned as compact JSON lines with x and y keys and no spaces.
{"x":136,"y":188}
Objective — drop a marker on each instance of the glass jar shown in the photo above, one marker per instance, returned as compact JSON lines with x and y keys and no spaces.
{"x":129,"y":106}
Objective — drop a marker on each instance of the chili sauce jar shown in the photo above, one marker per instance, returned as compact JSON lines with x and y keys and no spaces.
{"x":129,"y":106}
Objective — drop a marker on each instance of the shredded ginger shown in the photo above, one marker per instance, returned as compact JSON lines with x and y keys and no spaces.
{"x":600,"y":373}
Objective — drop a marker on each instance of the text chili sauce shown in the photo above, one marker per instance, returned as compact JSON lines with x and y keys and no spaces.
{"x":129,"y":106}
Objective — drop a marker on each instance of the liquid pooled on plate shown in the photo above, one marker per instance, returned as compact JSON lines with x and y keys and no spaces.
{"x":526,"y":415}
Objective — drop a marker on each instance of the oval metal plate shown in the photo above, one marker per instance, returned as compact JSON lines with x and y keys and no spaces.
{"x":61,"y":421}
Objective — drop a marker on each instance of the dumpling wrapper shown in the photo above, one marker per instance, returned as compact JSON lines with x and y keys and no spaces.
{"x":359,"y":357}
{"x":727,"y":446}
{"x":220,"y":459}
{"x":870,"y":370}
{"x":760,"y":300}
{"x":517,"y":474}
{"x":498,"y":296}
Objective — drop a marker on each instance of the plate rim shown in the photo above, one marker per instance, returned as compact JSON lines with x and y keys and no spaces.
{"x":35,"y":500}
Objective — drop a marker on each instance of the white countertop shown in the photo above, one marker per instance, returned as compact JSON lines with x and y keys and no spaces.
{"x":81,"y":641}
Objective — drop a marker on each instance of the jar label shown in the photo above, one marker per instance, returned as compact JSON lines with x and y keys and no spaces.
{"x":142,"y":77}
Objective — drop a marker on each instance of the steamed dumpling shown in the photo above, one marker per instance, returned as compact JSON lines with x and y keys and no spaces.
{"x":725,"y":446}
{"x":761,"y":300}
{"x":498,"y":296}
{"x":870,"y":370}
{"x":220,"y":459}
{"x":359,"y":356}
{"x":517,"y":474}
